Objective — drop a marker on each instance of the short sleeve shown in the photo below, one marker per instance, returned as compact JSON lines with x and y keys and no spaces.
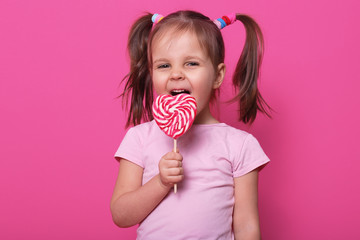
{"x":251,"y":157}
{"x":130,"y":148}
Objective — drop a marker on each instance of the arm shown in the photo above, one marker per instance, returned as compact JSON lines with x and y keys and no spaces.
{"x":131,"y":202}
{"x":246,"y":216}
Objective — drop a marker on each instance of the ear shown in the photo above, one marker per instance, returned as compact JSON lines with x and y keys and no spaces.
{"x":220,"y":74}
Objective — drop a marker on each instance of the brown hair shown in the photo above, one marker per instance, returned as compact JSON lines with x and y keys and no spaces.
{"x":139,"y":83}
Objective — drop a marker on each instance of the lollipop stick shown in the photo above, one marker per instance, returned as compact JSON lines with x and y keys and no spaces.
{"x":175,"y":149}
{"x":175,"y":145}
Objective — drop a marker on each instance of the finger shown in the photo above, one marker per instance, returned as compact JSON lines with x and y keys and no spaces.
{"x":173,"y":156}
{"x":172,"y":164}
{"x":178,"y":157}
{"x":175,"y":171}
{"x":175,"y":179}
{"x":178,"y":163}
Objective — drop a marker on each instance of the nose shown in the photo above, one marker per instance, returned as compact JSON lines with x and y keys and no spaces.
{"x":177,"y":74}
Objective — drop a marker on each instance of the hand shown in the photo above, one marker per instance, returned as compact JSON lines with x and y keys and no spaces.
{"x":170,"y":168}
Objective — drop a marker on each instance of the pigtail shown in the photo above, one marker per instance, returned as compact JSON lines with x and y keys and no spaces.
{"x":138,"y":80}
{"x":247,"y":72}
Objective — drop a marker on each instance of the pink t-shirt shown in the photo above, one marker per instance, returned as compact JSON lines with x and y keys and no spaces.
{"x":212,"y":156}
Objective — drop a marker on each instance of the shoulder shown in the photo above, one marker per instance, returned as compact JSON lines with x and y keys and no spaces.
{"x":142,"y":128}
{"x":146,"y":133}
{"x":232,"y":131}
{"x":221,"y":132}
{"x":239,"y":142}
{"x":137,"y":137}
{"x":231,"y":134}
{"x":136,"y":134}
{"x":246,"y":152}
{"x":229,"y":138}
{"x":240,"y":138}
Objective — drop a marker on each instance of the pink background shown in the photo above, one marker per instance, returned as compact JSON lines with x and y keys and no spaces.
{"x":60,"y":67}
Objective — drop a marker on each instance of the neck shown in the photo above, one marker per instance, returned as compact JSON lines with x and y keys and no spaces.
{"x":205,"y":117}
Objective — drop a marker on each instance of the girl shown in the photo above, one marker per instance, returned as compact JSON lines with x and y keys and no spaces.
{"x":217,"y":169}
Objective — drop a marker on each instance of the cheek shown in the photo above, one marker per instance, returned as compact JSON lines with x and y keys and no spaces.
{"x":203,"y":93}
{"x":159,"y":84}
{"x":205,"y":86}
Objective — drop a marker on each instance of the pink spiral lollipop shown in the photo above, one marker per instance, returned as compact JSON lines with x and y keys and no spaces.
{"x":174,"y":114}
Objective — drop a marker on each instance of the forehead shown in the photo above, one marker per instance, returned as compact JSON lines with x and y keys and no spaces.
{"x":184,"y":39}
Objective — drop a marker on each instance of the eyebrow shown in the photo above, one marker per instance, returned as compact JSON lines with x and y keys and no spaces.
{"x":186,"y":59}
{"x":161,"y":60}
{"x":194,"y":57}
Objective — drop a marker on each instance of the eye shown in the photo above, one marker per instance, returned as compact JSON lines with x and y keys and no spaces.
{"x":163,"y":66}
{"x":192,"y":64}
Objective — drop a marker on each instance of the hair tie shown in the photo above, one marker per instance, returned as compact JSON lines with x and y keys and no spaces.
{"x":156,"y":18}
{"x":225,"y":20}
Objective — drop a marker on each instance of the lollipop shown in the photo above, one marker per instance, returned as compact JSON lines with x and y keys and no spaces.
{"x":174,"y":115}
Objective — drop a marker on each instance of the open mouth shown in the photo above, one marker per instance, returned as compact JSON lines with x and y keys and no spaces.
{"x":179,"y":91}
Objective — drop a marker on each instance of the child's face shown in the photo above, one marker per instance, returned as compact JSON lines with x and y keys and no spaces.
{"x":180,"y":65}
